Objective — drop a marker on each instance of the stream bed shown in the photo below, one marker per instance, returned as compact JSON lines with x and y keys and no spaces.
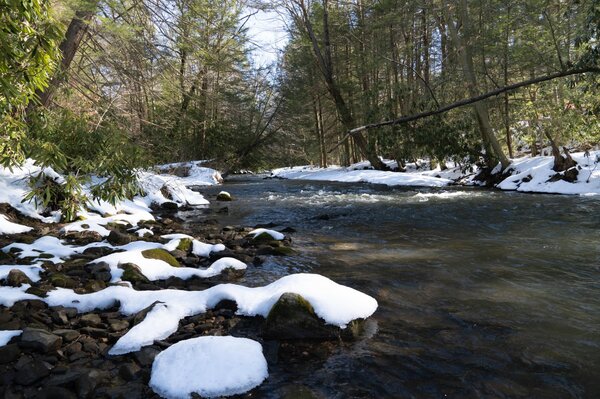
{"x":481,"y":293}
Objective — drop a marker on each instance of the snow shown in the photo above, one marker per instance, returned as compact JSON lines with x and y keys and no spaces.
{"x":31,"y":271}
{"x":144,"y":232}
{"x":275,"y":234}
{"x":353,"y":175}
{"x":8,"y":227}
{"x":209,"y":366}
{"x":336,"y":304}
{"x":539,"y":169}
{"x":156,"y":269}
{"x":51,"y":246}
{"x":10,"y":295}
{"x":7,"y":335}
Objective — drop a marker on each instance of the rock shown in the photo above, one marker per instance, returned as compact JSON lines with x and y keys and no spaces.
{"x":275,"y":251}
{"x":118,"y":238}
{"x":32,"y":371}
{"x":95,"y":285}
{"x":9,"y":353}
{"x":161,"y":254}
{"x":90,"y":320}
{"x":62,"y":280}
{"x":100,"y":271}
{"x":169,"y":206}
{"x":185,"y":245}
{"x":133,"y":273}
{"x":55,"y":393}
{"x":66,"y":334}
{"x":224,"y":196}
{"x":95,"y":332}
{"x":262,"y":238}
{"x":16,"y":278}
{"x":118,"y":325}
{"x":293,"y":317}
{"x":40,"y":340}
{"x":129,"y":371}
{"x":145,"y":356}
{"x":59,"y":316}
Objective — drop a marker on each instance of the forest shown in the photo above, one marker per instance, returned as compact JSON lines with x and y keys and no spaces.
{"x":111,"y":86}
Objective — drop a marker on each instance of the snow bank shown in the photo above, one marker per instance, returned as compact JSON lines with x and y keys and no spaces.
{"x":14,"y":187}
{"x":533,"y":175}
{"x":209,"y":366}
{"x":353,"y":175}
{"x":334,"y":303}
{"x":7,"y":335}
{"x":8,"y":227}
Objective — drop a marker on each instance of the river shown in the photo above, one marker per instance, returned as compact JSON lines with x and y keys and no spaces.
{"x":481,"y":293}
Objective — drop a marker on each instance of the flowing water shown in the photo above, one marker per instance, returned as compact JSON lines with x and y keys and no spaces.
{"x":481,"y":293}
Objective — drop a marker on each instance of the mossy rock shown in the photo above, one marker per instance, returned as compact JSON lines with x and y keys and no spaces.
{"x":275,"y":251}
{"x":293,"y":317}
{"x":161,"y":254}
{"x":185,"y":245}
{"x":133,"y":274}
{"x":262,"y":238}
{"x":41,"y":291}
{"x":62,"y":280}
{"x":45,"y":256}
{"x":224,"y":196}
{"x":95,"y":285}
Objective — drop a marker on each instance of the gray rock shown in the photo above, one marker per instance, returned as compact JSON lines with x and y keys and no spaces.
{"x":90,"y":320}
{"x":16,"y":278}
{"x":66,"y":335}
{"x":118,"y":325}
{"x":32,"y":371}
{"x":53,"y":392}
{"x":146,"y":356}
{"x":129,"y":371}
{"x":40,"y":340}
{"x":118,"y":238}
{"x":9,"y":353}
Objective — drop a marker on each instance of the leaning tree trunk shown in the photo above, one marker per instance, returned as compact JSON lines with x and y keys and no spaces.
{"x":68,"y":48}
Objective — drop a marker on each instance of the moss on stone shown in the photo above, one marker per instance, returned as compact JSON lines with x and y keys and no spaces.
{"x":185,"y":245}
{"x":262,"y":238}
{"x":160,"y":254}
{"x":61,"y":280}
{"x":283,"y":251}
{"x":133,"y":273}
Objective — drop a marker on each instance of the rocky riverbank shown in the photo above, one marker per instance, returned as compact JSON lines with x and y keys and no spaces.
{"x":63,"y":352}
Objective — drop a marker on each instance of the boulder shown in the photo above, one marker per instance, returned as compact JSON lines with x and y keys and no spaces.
{"x":118,"y":238}
{"x":293,"y":317}
{"x":16,"y":278}
{"x":90,"y":320}
{"x":32,"y":371}
{"x":224,"y":196}
{"x":62,"y":280}
{"x":40,"y":340}
{"x":133,"y":273}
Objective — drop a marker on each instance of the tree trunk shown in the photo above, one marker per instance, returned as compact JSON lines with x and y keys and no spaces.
{"x":68,"y":48}
{"x":481,"y":111}
{"x":324,"y":61}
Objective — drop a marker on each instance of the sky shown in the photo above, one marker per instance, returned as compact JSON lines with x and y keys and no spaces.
{"x":266,"y":30}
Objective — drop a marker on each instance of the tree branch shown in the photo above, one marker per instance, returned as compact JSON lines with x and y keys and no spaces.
{"x":467,"y":101}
